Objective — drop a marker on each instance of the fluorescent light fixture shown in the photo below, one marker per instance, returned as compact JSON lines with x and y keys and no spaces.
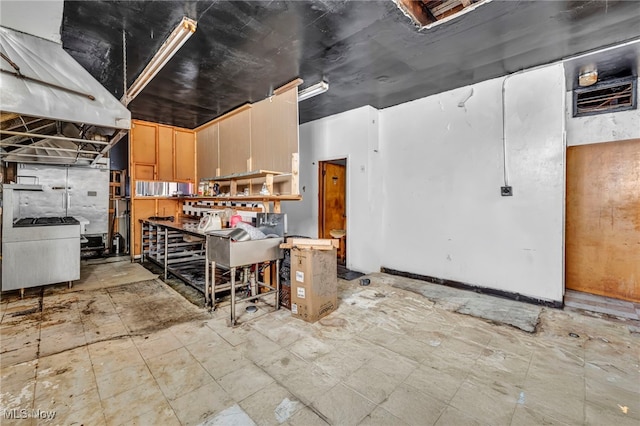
{"x":172,"y":44}
{"x":313,"y":90}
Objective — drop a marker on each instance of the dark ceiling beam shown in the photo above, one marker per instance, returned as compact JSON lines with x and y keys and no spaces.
{"x":427,"y":12}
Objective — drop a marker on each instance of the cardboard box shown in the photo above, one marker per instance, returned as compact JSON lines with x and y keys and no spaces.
{"x":314,"y":283}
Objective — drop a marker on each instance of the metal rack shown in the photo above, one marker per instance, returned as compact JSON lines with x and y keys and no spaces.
{"x":186,"y":253}
{"x":178,"y":251}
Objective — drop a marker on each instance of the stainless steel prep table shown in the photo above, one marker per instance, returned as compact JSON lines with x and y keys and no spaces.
{"x":178,"y":246}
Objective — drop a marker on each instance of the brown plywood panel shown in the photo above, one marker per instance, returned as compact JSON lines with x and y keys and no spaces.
{"x":185,"y":155}
{"x":143,"y":142}
{"x":165,"y":153}
{"x":141,"y":209}
{"x":235,"y":143}
{"x":207,"y":151}
{"x":167,"y":208}
{"x":143,"y":172}
{"x":274,"y":132}
{"x":603,"y":219}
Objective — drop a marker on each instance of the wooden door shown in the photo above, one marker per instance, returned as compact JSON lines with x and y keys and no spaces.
{"x":603,"y":219}
{"x":143,"y":143}
{"x":185,"y":149}
{"x":165,"y":154}
{"x":333,"y":213}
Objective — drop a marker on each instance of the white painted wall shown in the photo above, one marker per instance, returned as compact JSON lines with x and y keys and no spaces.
{"x":41,"y":18}
{"x":444,"y":216}
{"x":352,"y":135}
{"x":610,"y":127}
{"x":424,"y":186}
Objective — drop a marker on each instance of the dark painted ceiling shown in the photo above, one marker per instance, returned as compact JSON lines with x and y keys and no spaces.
{"x":368,"y":51}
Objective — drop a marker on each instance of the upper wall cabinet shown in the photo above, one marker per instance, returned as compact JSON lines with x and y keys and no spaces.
{"x":185,"y":155}
{"x":165,"y":153}
{"x":162,"y":153}
{"x":254,"y":140}
{"x":274,"y":132}
{"x":235,"y":143}
{"x":207,"y":149}
{"x":143,"y":143}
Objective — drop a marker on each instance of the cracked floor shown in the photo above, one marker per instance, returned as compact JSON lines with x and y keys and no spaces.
{"x":121,"y":347}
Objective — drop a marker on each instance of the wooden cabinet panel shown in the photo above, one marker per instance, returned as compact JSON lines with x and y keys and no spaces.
{"x":143,"y":172}
{"x":274,"y":132}
{"x":143,"y":143}
{"x":165,"y":153}
{"x":185,"y":155}
{"x":141,"y":209}
{"x":207,"y":151}
{"x":167,"y":208}
{"x":235,"y":143}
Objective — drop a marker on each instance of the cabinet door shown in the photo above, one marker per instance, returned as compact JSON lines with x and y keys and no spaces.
{"x":274,"y":132}
{"x":185,"y":148}
{"x":207,"y":152}
{"x":144,"y":171}
{"x":143,"y":143}
{"x":235,"y":143}
{"x":165,"y":154}
{"x":141,"y":209}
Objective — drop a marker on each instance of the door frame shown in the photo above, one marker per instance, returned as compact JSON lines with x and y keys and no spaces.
{"x":347,"y":207}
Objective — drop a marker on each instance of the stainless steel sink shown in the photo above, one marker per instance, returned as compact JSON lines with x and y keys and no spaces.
{"x":224,"y":251}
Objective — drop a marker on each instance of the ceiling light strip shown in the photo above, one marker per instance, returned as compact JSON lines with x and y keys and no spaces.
{"x":172,"y":44}
{"x":313,"y":90}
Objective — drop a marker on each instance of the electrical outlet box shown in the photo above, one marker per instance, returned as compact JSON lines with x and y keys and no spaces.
{"x":506,"y":191}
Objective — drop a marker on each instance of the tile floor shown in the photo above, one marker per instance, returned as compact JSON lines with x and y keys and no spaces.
{"x":112,"y":352}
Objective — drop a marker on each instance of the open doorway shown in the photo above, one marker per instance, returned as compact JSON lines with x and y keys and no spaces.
{"x":332,"y":203}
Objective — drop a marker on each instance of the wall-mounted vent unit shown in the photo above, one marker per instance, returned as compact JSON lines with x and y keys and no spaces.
{"x":606,"y":96}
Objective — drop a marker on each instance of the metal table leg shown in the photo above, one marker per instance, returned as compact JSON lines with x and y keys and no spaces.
{"x":213,"y":286}
{"x":206,"y":274}
{"x":166,"y":251}
{"x":142,"y":242}
{"x":277,"y":284}
{"x":233,"y":296}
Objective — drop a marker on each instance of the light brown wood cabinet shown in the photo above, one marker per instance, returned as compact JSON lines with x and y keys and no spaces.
{"x":184,"y":147}
{"x":158,"y":153}
{"x":143,"y":145}
{"x":274,"y":132}
{"x":207,"y":148}
{"x":165,"y":154}
{"x":235,"y":143}
{"x":253,"y":144}
{"x":162,"y":153}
